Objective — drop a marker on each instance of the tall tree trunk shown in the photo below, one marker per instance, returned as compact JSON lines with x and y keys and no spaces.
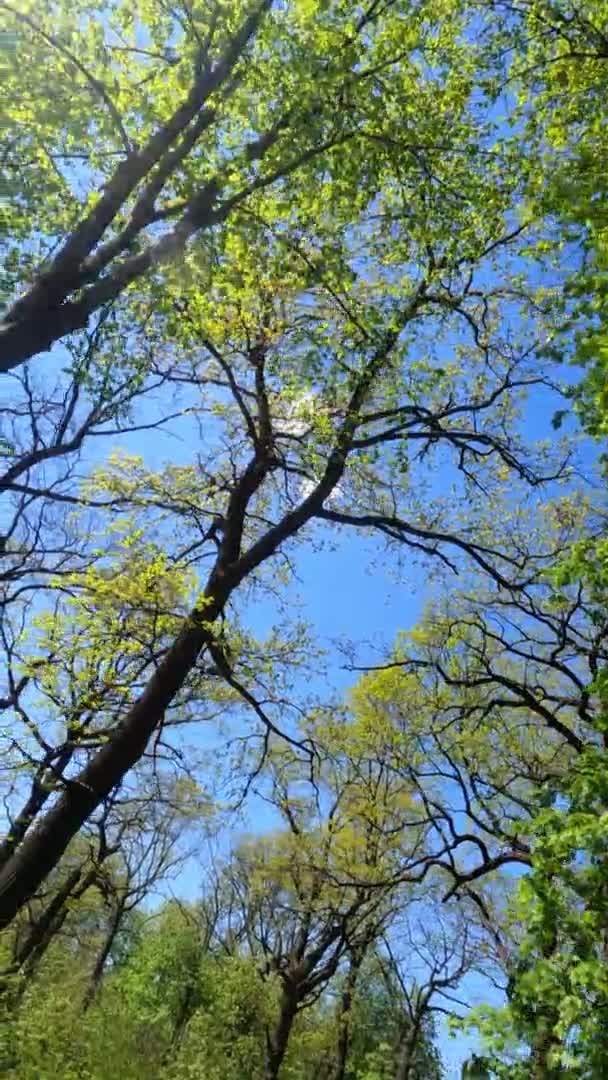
{"x":277,"y":1042}
{"x":407,"y":1053}
{"x":102,"y":956}
{"x":543,"y":1043}
{"x":344,"y":1015}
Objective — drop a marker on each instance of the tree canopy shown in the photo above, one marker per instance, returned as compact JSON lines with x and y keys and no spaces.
{"x":289,"y":286}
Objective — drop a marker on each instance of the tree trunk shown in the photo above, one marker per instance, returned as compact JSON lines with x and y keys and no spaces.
{"x":44,"y":845}
{"x":407,"y":1053}
{"x":276,"y":1044}
{"x":344,"y":1016}
{"x":28,"y":954}
{"x":544,"y":1041}
{"x":102,"y":956}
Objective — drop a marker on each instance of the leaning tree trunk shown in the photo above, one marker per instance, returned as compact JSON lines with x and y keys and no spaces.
{"x":28,"y":954}
{"x":44,"y":844}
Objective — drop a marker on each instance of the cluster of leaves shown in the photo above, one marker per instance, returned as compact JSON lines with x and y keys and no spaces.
{"x":562,"y":76}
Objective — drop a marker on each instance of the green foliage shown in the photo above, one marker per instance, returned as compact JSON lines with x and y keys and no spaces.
{"x":344,"y":270}
{"x":173,"y":1008}
{"x":562,"y":79}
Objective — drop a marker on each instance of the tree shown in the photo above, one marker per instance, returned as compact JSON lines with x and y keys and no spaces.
{"x":423,"y":972}
{"x":533,"y":661}
{"x":186,"y":997}
{"x":368,"y":400}
{"x":132,"y":846}
{"x":300,"y":242}
{"x":377,"y":1030}
{"x":172,"y":122}
{"x":559,"y":68}
{"x":305,"y":900}
{"x":149,"y":854}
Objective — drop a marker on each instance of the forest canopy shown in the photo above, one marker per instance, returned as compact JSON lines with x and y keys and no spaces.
{"x":303,"y":548}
